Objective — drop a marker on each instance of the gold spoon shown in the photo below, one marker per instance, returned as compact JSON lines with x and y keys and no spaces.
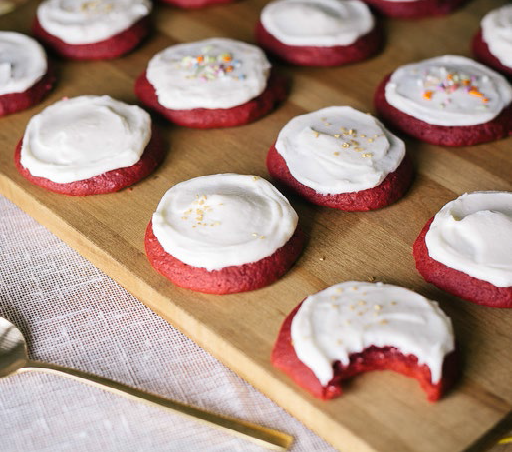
{"x":14,"y":358}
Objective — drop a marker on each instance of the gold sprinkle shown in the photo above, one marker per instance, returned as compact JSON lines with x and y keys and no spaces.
{"x":336,"y":153}
{"x":345,"y":145}
{"x":322,"y":258}
{"x":358,"y":149}
{"x":360,"y":313}
{"x":184,"y":218}
{"x":370,"y":140}
{"x":366,"y":154}
{"x":354,"y":143}
{"x":255,"y":177}
{"x":201,"y":202}
{"x":337,"y":135}
{"x":383,"y":322}
{"x":352,"y":307}
{"x":393,"y":303}
{"x":339,"y":341}
{"x":254,"y":234}
{"x":362,"y":136}
{"x":327,"y":123}
{"x":377,"y":307}
{"x":316,"y":134}
{"x":323,"y":119}
{"x":355,"y":288}
{"x":262,"y":237}
{"x":371,"y":278}
{"x":361,"y":302}
{"x":339,"y":289}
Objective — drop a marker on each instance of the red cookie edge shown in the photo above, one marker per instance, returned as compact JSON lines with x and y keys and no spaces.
{"x":113,"y":47}
{"x":14,"y":102}
{"x":284,"y":358}
{"x":363,"y":48}
{"x":108,"y":182}
{"x":391,"y":189}
{"x":499,"y":127}
{"x":480,"y":50}
{"x":233,"y":279}
{"x":205,"y":118}
{"x":456,"y":282}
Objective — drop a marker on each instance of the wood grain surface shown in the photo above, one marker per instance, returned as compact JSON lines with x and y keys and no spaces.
{"x":381,"y":410}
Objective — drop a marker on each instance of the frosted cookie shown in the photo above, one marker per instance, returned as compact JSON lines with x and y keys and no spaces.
{"x":448,"y":100}
{"x":492,"y":44}
{"x":218,"y":82}
{"x":414,"y":8}
{"x":223,"y":234}
{"x":25,"y":77}
{"x":92,"y":29}
{"x":355,"y":327}
{"x":342,"y":158}
{"x":319,"y":32}
{"x":466,"y":248}
{"x":88,"y":145}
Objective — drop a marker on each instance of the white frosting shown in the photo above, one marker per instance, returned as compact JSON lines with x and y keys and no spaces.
{"x":22,"y":62}
{"x":85,"y":136}
{"x":349,"y":317}
{"x":449,"y":91}
{"x":497,"y":33}
{"x":473,"y":234}
{"x":215,"y":73}
{"x":317,"y":22}
{"x":339,"y":150}
{"x":90,"y":21}
{"x":223,"y":220}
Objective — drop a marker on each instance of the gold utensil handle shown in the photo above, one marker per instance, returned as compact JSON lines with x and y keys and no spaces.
{"x":265,"y":437}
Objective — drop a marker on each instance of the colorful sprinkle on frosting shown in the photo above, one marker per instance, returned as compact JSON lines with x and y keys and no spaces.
{"x":208,"y":67}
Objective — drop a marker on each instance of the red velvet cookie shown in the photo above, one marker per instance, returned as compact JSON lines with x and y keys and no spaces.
{"x":481,"y":52}
{"x":492,"y":44}
{"x":233,"y":279}
{"x":458,"y":282}
{"x":104,"y":31}
{"x":108,"y":181}
{"x":28,"y":77}
{"x":415,"y":9}
{"x":319,"y":33}
{"x":480,"y":85}
{"x":207,"y":118}
{"x":223,"y":234}
{"x":216,"y":72}
{"x":304,"y":151}
{"x":371,"y":357}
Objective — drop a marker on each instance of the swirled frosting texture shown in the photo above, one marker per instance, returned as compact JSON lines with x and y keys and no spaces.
{"x":497,"y":33}
{"x":22,"y":62}
{"x":473,"y":234}
{"x":223,"y":220}
{"x":85,"y":136}
{"x":352,"y":316}
{"x":317,"y":22}
{"x":449,"y":91}
{"x":339,"y":150}
{"x":215,"y":73}
{"x":90,"y":21}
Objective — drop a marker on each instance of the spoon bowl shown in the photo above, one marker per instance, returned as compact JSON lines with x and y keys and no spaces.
{"x":13,"y":349}
{"x":14,"y":358}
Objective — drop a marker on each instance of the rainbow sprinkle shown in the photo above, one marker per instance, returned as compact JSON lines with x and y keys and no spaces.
{"x":450,"y":83}
{"x":208,"y":67}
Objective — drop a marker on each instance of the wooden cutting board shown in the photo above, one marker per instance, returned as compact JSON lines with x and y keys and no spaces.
{"x":381,"y":410}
